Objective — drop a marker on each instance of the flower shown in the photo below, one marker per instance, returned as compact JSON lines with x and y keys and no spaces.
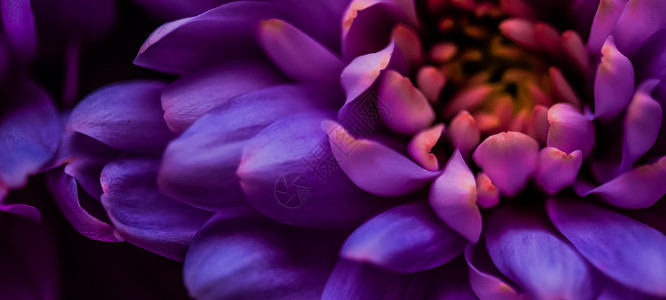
{"x":490,"y":149}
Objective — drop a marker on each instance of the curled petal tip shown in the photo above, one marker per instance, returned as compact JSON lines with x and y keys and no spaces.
{"x":614,"y":82}
{"x":487,"y":193}
{"x":557,"y":169}
{"x":422,"y":143}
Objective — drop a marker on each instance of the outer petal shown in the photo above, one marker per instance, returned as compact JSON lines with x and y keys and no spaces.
{"x":638,"y":188}
{"x":199,"y":167}
{"x":125,"y":116}
{"x":200,"y":41}
{"x":142,"y":214}
{"x":485,"y":284}
{"x":174,"y":9}
{"x":525,"y":250}
{"x":408,"y":238}
{"x":319,"y":19}
{"x":233,"y":258}
{"x":409,"y":109}
{"x":19,"y":26}
{"x":352,"y":280}
{"x":642,"y":122}
{"x":297,"y":54}
{"x":608,"y":13}
{"x":29,"y":134}
{"x":509,"y":159}
{"x":626,"y":250}
{"x":288,"y":173}
{"x":191,"y":96}
{"x":453,"y":198}
{"x":614,"y":83}
{"x":638,"y":21}
{"x":374,"y":167}
{"x":557,"y":169}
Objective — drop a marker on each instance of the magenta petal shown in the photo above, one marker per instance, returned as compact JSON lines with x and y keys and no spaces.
{"x":626,"y":250}
{"x":288,"y":173}
{"x":125,"y":116}
{"x":352,"y":280}
{"x":239,"y":258}
{"x":373,"y":166}
{"x":453,"y":198}
{"x":409,"y":109}
{"x":638,"y":188}
{"x":420,"y":147}
{"x":557,"y":169}
{"x":642,"y":122}
{"x":319,"y":19}
{"x":638,"y":21}
{"x":174,"y":9}
{"x":65,"y":193}
{"x":464,"y":132}
{"x":19,"y":26}
{"x":608,"y":13}
{"x":29,"y":133}
{"x":615,"y":291}
{"x":614,"y":82}
{"x":203,"y":40}
{"x":486,"y":286}
{"x":363,"y":71}
{"x":199,"y":167}
{"x":569,"y":129}
{"x":509,"y":159}
{"x":141,"y":214}
{"x":406,"y":239}
{"x":527,"y":251}
{"x":297,"y":54}
{"x":191,"y":96}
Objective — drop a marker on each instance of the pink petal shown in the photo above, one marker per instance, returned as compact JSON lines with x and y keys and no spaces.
{"x":557,"y":169}
{"x":409,"y":109}
{"x":422,"y":143}
{"x":464,"y":132}
{"x":575,"y":49}
{"x":486,"y":193}
{"x":569,"y":130}
{"x":431,"y":82}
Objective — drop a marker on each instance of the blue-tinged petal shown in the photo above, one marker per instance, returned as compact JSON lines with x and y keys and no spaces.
{"x":453,"y":198}
{"x":141,"y":214}
{"x":66,"y":195}
{"x":351,"y":280}
{"x":125,"y":115}
{"x":485,"y":279}
{"x":29,"y":133}
{"x":190,"y":97}
{"x":641,"y":123}
{"x":509,"y":159}
{"x":373,"y":166}
{"x":319,"y":19}
{"x":638,"y":188}
{"x":239,"y":258}
{"x":625,"y":250}
{"x":614,"y":82}
{"x":199,"y":167}
{"x":638,"y":21}
{"x":288,"y":173}
{"x":297,"y":54}
{"x":556,"y":169}
{"x":569,"y":130}
{"x":405,"y":239}
{"x":543,"y":264}
{"x":410,"y":111}
{"x":615,"y":291}
{"x":221,"y":34}
{"x":608,"y":13}
{"x":19,"y":26}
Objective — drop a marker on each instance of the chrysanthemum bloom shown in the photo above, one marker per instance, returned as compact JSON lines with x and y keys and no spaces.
{"x":488,"y":149}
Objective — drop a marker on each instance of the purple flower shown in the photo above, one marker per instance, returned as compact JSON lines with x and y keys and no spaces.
{"x":379,"y":149}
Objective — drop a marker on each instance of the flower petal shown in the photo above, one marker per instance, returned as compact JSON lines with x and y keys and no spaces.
{"x":297,"y":54}
{"x":638,"y":21}
{"x":288,"y":173}
{"x":431,"y":81}
{"x":174,"y":9}
{"x":352,"y":280}
{"x":557,"y":169}
{"x":410,"y":111}
{"x":363,"y":71}
{"x":626,"y":250}
{"x":486,"y":192}
{"x":486,"y":286}
{"x":569,"y":130}
{"x":191,"y":96}
{"x":319,"y":19}
{"x":19,"y":26}
{"x":464,"y":132}
{"x":642,"y":122}
{"x":614,"y":82}
{"x":608,"y":13}
{"x":141,"y":214}
{"x":405,"y":239}
{"x":509,"y":159}
{"x":453,"y":198}
{"x":199,"y":166}
{"x":374,"y":167}
{"x":420,"y":147}
{"x":524,"y":248}
{"x":125,"y":116}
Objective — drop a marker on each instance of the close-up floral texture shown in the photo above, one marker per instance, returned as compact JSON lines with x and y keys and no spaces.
{"x":337,"y":149}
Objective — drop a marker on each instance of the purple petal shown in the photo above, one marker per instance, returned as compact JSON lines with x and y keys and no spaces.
{"x":453,"y":198}
{"x":125,"y":116}
{"x":615,"y":291}
{"x":199,"y":167}
{"x":524,"y":248}
{"x":141,"y":214}
{"x":638,"y":21}
{"x":363,"y":71}
{"x":236,"y":258}
{"x":484,"y":278}
{"x":608,"y":13}
{"x":19,"y":26}
{"x":509,"y":159}
{"x":410,"y":109}
{"x":650,"y":59}
{"x":297,"y":54}
{"x":190,"y":97}
{"x":29,"y":134}
{"x":174,"y":9}
{"x":65,"y":193}
{"x":557,"y":169}
{"x":374,"y":167}
{"x":352,"y":280}
{"x":319,"y":19}
{"x":638,"y":188}
{"x":406,"y":239}
{"x":626,"y":250}
{"x":569,"y":129}
{"x":642,"y":122}
{"x":614,"y":82}
{"x":201,"y":41}
{"x":444,"y":282}
{"x":288,"y":173}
